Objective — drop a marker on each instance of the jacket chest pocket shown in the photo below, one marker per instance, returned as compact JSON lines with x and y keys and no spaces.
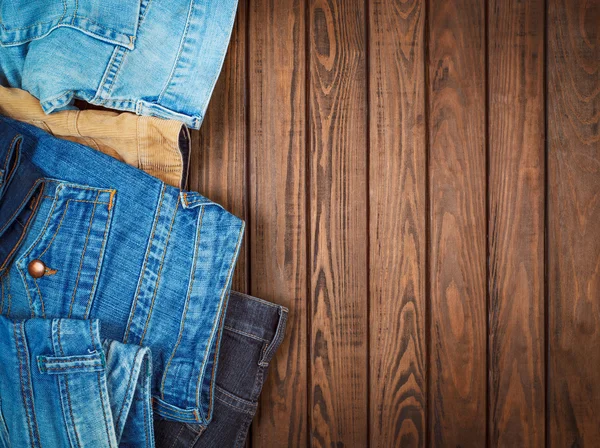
{"x":61,"y":268}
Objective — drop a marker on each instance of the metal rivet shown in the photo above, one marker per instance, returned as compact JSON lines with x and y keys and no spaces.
{"x":36,"y":268}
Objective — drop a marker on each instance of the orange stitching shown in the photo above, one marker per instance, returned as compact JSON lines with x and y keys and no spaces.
{"x":148,"y":250}
{"x":187,"y":303}
{"x":87,"y":237}
{"x":162,"y":262}
{"x":229,"y":274}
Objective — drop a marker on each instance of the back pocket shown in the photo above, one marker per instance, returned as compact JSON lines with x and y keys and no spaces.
{"x":113,"y":21}
{"x":60,"y":269}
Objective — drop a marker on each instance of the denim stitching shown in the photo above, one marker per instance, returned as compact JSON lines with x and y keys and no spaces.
{"x":115,"y":74}
{"x":175,"y":439}
{"x":56,"y":231}
{"x":100,"y":393}
{"x":179,"y":51}
{"x":27,"y":198}
{"x":162,"y":261}
{"x":225,"y":286}
{"x":8,"y":295}
{"x":148,"y":250}
{"x":23,"y":395}
{"x":40,"y":297}
{"x":66,"y":380}
{"x":243,"y":333}
{"x":100,"y":258}
{"x":87,"y":237}
{"x":187,"y":302}
{"x":22,"y":236}
{"x":17,"y":155}
{"x":128,"y":386}
{"x":64,"y":2}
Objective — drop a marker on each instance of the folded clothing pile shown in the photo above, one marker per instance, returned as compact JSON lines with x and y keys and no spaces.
{"x":117,"y":320}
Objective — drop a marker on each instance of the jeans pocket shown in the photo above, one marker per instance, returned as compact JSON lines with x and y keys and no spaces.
{"x":113,"y":21}
{"x":60,"y":269}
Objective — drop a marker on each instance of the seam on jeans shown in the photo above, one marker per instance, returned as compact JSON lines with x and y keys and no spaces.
{"x":106,"y":426}
{"x":243,"y":401}
{"x":87,"y":237}
{"x":64,"y":2}
{"x":159,"y":273}
{"x":23,"y":395}
{"x":22,"y":236}
{"x":9,"y":153}
{"x":75,"y":12}
{"x":40,"y":297}
{"x":187,"y":302}
{"x":66,"y":379}
{"x":100,"y":257}
{"x":179,"y":51}
{"x":118,"y":421}
{"x":259,"y":300}
{"x":243,"y":333}
{"x":114,"y":76}
{"x":26,"y":198}
{"x":148,"y":250}
{"x":8,"y":295}
{"x":62,"y":218}
{"x":176,"y":438}
{"x":97,"y":98}
{"x":226,"y":285}
{"x":229,"y":405}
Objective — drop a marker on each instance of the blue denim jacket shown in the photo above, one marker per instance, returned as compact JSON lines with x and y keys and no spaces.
{"x":151,"y":262}
{"x":152,"y":57}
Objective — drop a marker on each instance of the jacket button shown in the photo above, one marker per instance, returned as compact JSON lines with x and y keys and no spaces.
{"x":36,"y":268}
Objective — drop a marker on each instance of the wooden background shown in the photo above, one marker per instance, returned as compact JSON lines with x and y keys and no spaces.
{"x":421,"y":186}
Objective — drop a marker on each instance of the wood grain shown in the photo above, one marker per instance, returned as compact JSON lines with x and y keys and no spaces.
{"x":338,"y":224}
{"x":573,"y":223}
{"x":516,"y":223}
{"x":457,"y":178}
{"x":218,"y":158}
{"x":277,"y":224}
{"x":397,"y":216}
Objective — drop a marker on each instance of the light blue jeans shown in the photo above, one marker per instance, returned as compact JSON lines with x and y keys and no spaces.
{"x":152,"y":57}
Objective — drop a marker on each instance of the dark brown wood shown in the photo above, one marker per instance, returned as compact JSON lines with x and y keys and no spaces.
{"x":397,"y":224}
{"x":516,"y":223}
{"x":277,"y":225}
{"x":218,"y":159}
{"x":574,"y":223}
{"x":458,"y":223}
{"x":338,"y":224}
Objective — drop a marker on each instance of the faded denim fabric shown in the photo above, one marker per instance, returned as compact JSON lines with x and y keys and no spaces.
{"x":60,"y":385}
{"x":153,"y":263}
{"x":152,"y":57}
{"x":253,"y":331}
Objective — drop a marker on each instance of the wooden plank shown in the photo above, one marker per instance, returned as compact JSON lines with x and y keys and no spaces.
{"x":218,"y":159}
{"x":573,"y":223}
{"x":338,"y":223}
{"x":457,"y":179}
{"x":277,"y":225}
{"x":516,"y":223}
{"x":397,"y":224}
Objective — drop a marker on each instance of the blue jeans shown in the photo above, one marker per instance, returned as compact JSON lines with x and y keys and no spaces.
{"x":100,"y":51}
{"x":60,"y":385}
{"x":84,"y":236}
{"x":253,"y":331}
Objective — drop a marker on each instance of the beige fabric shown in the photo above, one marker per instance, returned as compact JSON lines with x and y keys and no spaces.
{"x":148,"y":143}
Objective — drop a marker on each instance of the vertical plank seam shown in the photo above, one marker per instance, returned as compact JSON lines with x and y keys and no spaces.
{"x":546,"y":292}
{"x":368,"y":208}
{"x":248,"y":213}
{"x":487,"y":221}
{"x":307,"y":211}
{"x":427,"y":301}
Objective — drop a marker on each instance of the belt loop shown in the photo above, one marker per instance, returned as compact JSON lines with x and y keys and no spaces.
{"x":270,"y":350}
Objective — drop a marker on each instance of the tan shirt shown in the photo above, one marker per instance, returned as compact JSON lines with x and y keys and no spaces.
{"x":148,"y":143}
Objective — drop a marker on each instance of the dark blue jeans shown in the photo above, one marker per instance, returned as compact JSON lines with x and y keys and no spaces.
{"x":252,"y":333}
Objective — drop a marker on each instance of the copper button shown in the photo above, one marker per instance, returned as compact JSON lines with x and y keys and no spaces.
{"x":36,"y":268}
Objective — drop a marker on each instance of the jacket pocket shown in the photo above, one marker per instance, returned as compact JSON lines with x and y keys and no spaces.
{"x":60,"y":269}
{"x":113,"y":21}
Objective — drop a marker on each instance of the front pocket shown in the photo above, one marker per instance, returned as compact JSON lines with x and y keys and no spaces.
{"x":60,"y":269}
{"x":113,"y":21}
